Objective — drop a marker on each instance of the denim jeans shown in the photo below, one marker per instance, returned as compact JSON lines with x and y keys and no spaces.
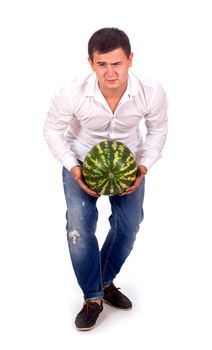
{"x":96,"y":268}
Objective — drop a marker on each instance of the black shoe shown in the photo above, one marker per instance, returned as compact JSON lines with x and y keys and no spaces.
{"x":114,"y":297}
{"x":87,"y":317}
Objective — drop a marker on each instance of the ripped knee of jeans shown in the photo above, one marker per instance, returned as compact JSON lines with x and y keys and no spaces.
{"x":73,"y":235}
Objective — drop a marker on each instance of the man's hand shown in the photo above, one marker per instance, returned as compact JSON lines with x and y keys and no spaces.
{"x":141,"y":172}
{"x":77,"y":173}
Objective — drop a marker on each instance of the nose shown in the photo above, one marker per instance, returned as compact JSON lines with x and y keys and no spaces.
{"x":109,"y":70}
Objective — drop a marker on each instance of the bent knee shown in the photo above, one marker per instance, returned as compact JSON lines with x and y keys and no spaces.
{"x":73,"y":236}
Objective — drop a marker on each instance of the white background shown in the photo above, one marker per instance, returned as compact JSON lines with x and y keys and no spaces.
{"x":168,"y":274}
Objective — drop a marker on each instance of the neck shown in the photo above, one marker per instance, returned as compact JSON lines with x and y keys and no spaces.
{"x":113,"y":93}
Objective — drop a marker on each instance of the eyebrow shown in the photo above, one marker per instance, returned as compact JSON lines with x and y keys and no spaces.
{"x":103,"y":62}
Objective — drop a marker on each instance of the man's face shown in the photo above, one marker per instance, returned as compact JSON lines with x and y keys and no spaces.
{"x":111,"y":68}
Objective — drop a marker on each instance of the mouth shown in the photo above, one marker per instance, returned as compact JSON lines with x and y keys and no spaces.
{"x":111,"y":81}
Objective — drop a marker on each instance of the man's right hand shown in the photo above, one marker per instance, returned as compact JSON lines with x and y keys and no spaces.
{"x":77,"y":173}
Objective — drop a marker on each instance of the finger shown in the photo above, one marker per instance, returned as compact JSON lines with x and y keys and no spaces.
{"x":125,"y":193}
{"x":129,"y":190}
{"x":136,"y":184}
{"x":132,"y":188}
{"x":87,"y":189}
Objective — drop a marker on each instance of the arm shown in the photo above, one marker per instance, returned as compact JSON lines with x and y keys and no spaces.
{"x":58,"y":119}
{"x":57,"y":122}
{"x":156,"y":124}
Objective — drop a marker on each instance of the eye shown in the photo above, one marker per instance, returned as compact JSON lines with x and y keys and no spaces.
{"x":116,"y":63}
{"x":101,"y":64}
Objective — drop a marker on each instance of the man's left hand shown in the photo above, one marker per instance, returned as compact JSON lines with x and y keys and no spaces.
{"x":141,"y":172}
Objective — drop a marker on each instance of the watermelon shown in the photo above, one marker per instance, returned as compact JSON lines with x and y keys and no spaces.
{"x":109,"y":168}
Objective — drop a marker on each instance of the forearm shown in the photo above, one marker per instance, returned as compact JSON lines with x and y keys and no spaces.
{"x":152,"y":149}
{"x":59,"y":147}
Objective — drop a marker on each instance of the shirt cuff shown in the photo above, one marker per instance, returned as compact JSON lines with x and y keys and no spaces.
{"x":70,"y":162}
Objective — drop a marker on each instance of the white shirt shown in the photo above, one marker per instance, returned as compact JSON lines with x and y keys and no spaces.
{"x":79,"y":118}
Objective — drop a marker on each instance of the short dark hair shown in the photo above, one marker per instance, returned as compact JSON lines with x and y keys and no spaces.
{"x":108,"y":39}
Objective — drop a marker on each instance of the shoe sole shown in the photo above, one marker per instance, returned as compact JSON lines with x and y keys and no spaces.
{"x":116,"y":307}
{"x":85,"y":329}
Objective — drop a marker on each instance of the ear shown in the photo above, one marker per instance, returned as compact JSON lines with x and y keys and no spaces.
{"x":130,"y":59}
{"x":91,"y":62}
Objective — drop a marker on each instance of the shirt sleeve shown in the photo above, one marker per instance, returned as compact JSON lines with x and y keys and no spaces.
{"x":156,"y":122}
{"x":58,"y":119}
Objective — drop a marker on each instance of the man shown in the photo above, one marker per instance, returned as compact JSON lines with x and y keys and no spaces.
{"x":108,"y":103}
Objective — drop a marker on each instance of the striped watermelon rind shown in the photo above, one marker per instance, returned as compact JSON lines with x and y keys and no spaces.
{"x":109,"y":168}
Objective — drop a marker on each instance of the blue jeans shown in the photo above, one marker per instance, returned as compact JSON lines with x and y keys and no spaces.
{"x":93,"y":268}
